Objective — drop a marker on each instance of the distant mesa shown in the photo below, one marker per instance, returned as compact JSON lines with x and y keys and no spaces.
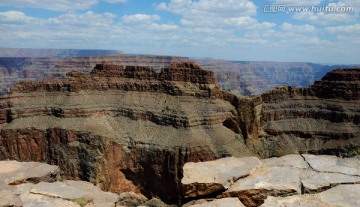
{"x":54,"y":53}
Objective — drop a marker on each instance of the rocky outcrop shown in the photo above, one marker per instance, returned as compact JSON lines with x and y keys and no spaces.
{"x":252,"y":78}
{"x":342,"y":195}
{"x":323,"y":118}
{"x":123,"y":128}
{"x":132,"y":128}
{"x":39,"y":184}
{"x":202,"y":179}
{"x":282,"y":181}
{"x":15,"y":69}
{"x":246,"y":78}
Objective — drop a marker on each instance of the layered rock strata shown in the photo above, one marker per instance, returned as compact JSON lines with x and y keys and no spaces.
{"x":291,"y":180}
{"x":323,"y":118}
{"x":132,"y":128}
{"x":123,"y":128}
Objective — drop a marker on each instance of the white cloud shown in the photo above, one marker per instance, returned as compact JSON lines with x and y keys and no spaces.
{"x":297,"y":2}
{"x":14,"y":17}
{"x":346,"y":29}
{"x":209,"y":12}
{"x":69,"y":30}
{"x":248,"y":23}
{"x":164,"y":27}
{"x":319,"y":15}
{"x":325,"y":18}
{"x":56,"y":5}
{"x":287,"y":27}
{"x":143,"y":18}
{"x":116,"y":1}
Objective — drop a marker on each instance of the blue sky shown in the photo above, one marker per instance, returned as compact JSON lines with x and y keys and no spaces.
{"x":221,"y":29}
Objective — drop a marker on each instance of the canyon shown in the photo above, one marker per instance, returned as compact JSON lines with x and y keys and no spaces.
{"x":246,"y":78}
{"x":133,"y":127}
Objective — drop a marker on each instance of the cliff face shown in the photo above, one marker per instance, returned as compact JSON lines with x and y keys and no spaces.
{"x":323,"y":118}
{"x":123,"y":128}
{"x":132,"y":128}
{"x":247,"y":78}
{"x":15,"y":69}
{"x":251,"y":78}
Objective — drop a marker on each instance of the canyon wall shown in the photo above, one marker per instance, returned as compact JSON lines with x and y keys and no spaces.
{"x":323,"y":118}
{"x":247,"y":78}
{"x":124,"y":128}
{"x":132,"y":128}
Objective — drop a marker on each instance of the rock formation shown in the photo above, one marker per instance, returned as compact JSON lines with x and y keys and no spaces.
{"x":323,"y":118}
{"x":247,"y":78}
{"x":291,"y":180}
{"x":123,"y":128}
{"x":38,"y":184}
{"x":132,"y":128}
{"x":15,"y":69}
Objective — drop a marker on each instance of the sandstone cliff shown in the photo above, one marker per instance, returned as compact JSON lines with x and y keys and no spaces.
{"x":132,"y":128}
{"x":123,"y":128}
{"x":247,"y":78}
{"x":323,"y":118}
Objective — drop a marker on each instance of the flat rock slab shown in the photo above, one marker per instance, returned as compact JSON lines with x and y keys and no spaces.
{"x":294,"y":160}
{"x":33,"y":200}
{"x":333,"y":164}
{"x":265,"y":181}
{"x":13,"y":172}
{"x":339,"y":196}
{"x":320,"y":181}
{"x":204,"y":178}
{"x":224,"y":202}
{"x":99,"y":198}
{"x":58,"y":190}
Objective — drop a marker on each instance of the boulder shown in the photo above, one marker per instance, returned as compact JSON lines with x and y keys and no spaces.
{"x":263,"y":182}
{"x":204,"y":178}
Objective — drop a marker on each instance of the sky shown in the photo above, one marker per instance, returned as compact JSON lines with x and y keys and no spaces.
{"x":247,"y":30}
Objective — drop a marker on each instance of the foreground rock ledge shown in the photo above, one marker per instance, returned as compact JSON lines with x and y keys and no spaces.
{"x":312,"y":180}
{"x":39,"y":184}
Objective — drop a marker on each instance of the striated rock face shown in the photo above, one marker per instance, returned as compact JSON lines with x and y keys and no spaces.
{"x":323,"y":118}
{"x":15,"y":69}
{"x":132,"y":128}
{"x":122,"y":128}
{"x":248,"y":78}
{"x":339,"y":84}
{"x":282,"y":181}
{"x":251,"y":78}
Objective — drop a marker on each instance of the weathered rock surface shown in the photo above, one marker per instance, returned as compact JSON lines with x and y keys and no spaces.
{"x":280,"y":182}
{"x":13,"y":172}
{"x":123,"y":128}
{"x":132,"y":128}
{"x":204,"y":178}
{"x":333,"y":164}
{"x":321,"y":119}
{"x":277,"y":181}
{"x":233,"y":202}
{"x":339,"y":196}
{"x":31,"y":185}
